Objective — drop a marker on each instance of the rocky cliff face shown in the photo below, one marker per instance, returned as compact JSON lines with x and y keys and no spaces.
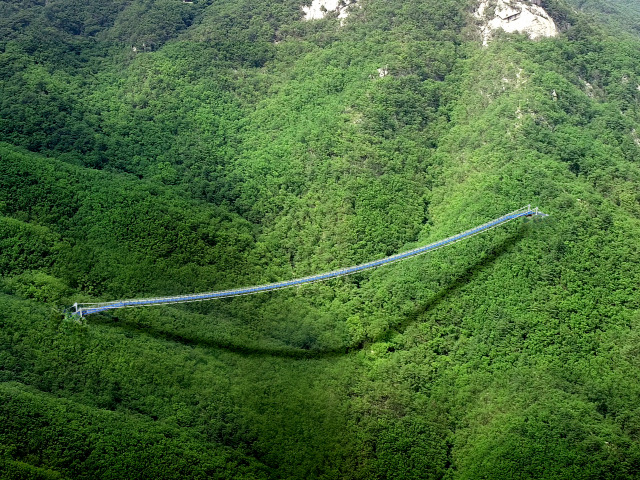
{"x":515,"y":16}
{"x":319,"y":8}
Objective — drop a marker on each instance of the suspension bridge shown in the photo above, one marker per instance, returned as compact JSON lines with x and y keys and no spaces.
{"x":83,"y":309}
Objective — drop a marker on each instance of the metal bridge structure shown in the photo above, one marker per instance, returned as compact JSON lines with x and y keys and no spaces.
{"x":83,"y":309}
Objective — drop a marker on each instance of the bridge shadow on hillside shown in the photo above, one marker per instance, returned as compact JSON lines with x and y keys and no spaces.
{"x":462,"y":279}
{"x":242,"y":349}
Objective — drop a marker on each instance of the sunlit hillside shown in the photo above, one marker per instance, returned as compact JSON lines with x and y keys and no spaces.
{"x":162,"y":147}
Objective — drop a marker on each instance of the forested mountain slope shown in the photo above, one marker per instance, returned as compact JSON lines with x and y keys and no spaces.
{"x":616,"y":15}
{"x":162,"y":147}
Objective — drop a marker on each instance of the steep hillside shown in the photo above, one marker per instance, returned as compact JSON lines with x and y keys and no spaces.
{"x":166,"y":147}
{"x":617,"y":15}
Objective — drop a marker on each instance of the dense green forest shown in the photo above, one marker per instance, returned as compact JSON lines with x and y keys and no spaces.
{"x":158,"y":147}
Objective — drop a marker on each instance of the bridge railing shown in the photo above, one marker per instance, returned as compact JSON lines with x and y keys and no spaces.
{"x":83,"y":309}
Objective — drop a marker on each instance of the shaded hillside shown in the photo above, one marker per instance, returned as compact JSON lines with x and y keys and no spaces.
{"x":243,"y":145}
